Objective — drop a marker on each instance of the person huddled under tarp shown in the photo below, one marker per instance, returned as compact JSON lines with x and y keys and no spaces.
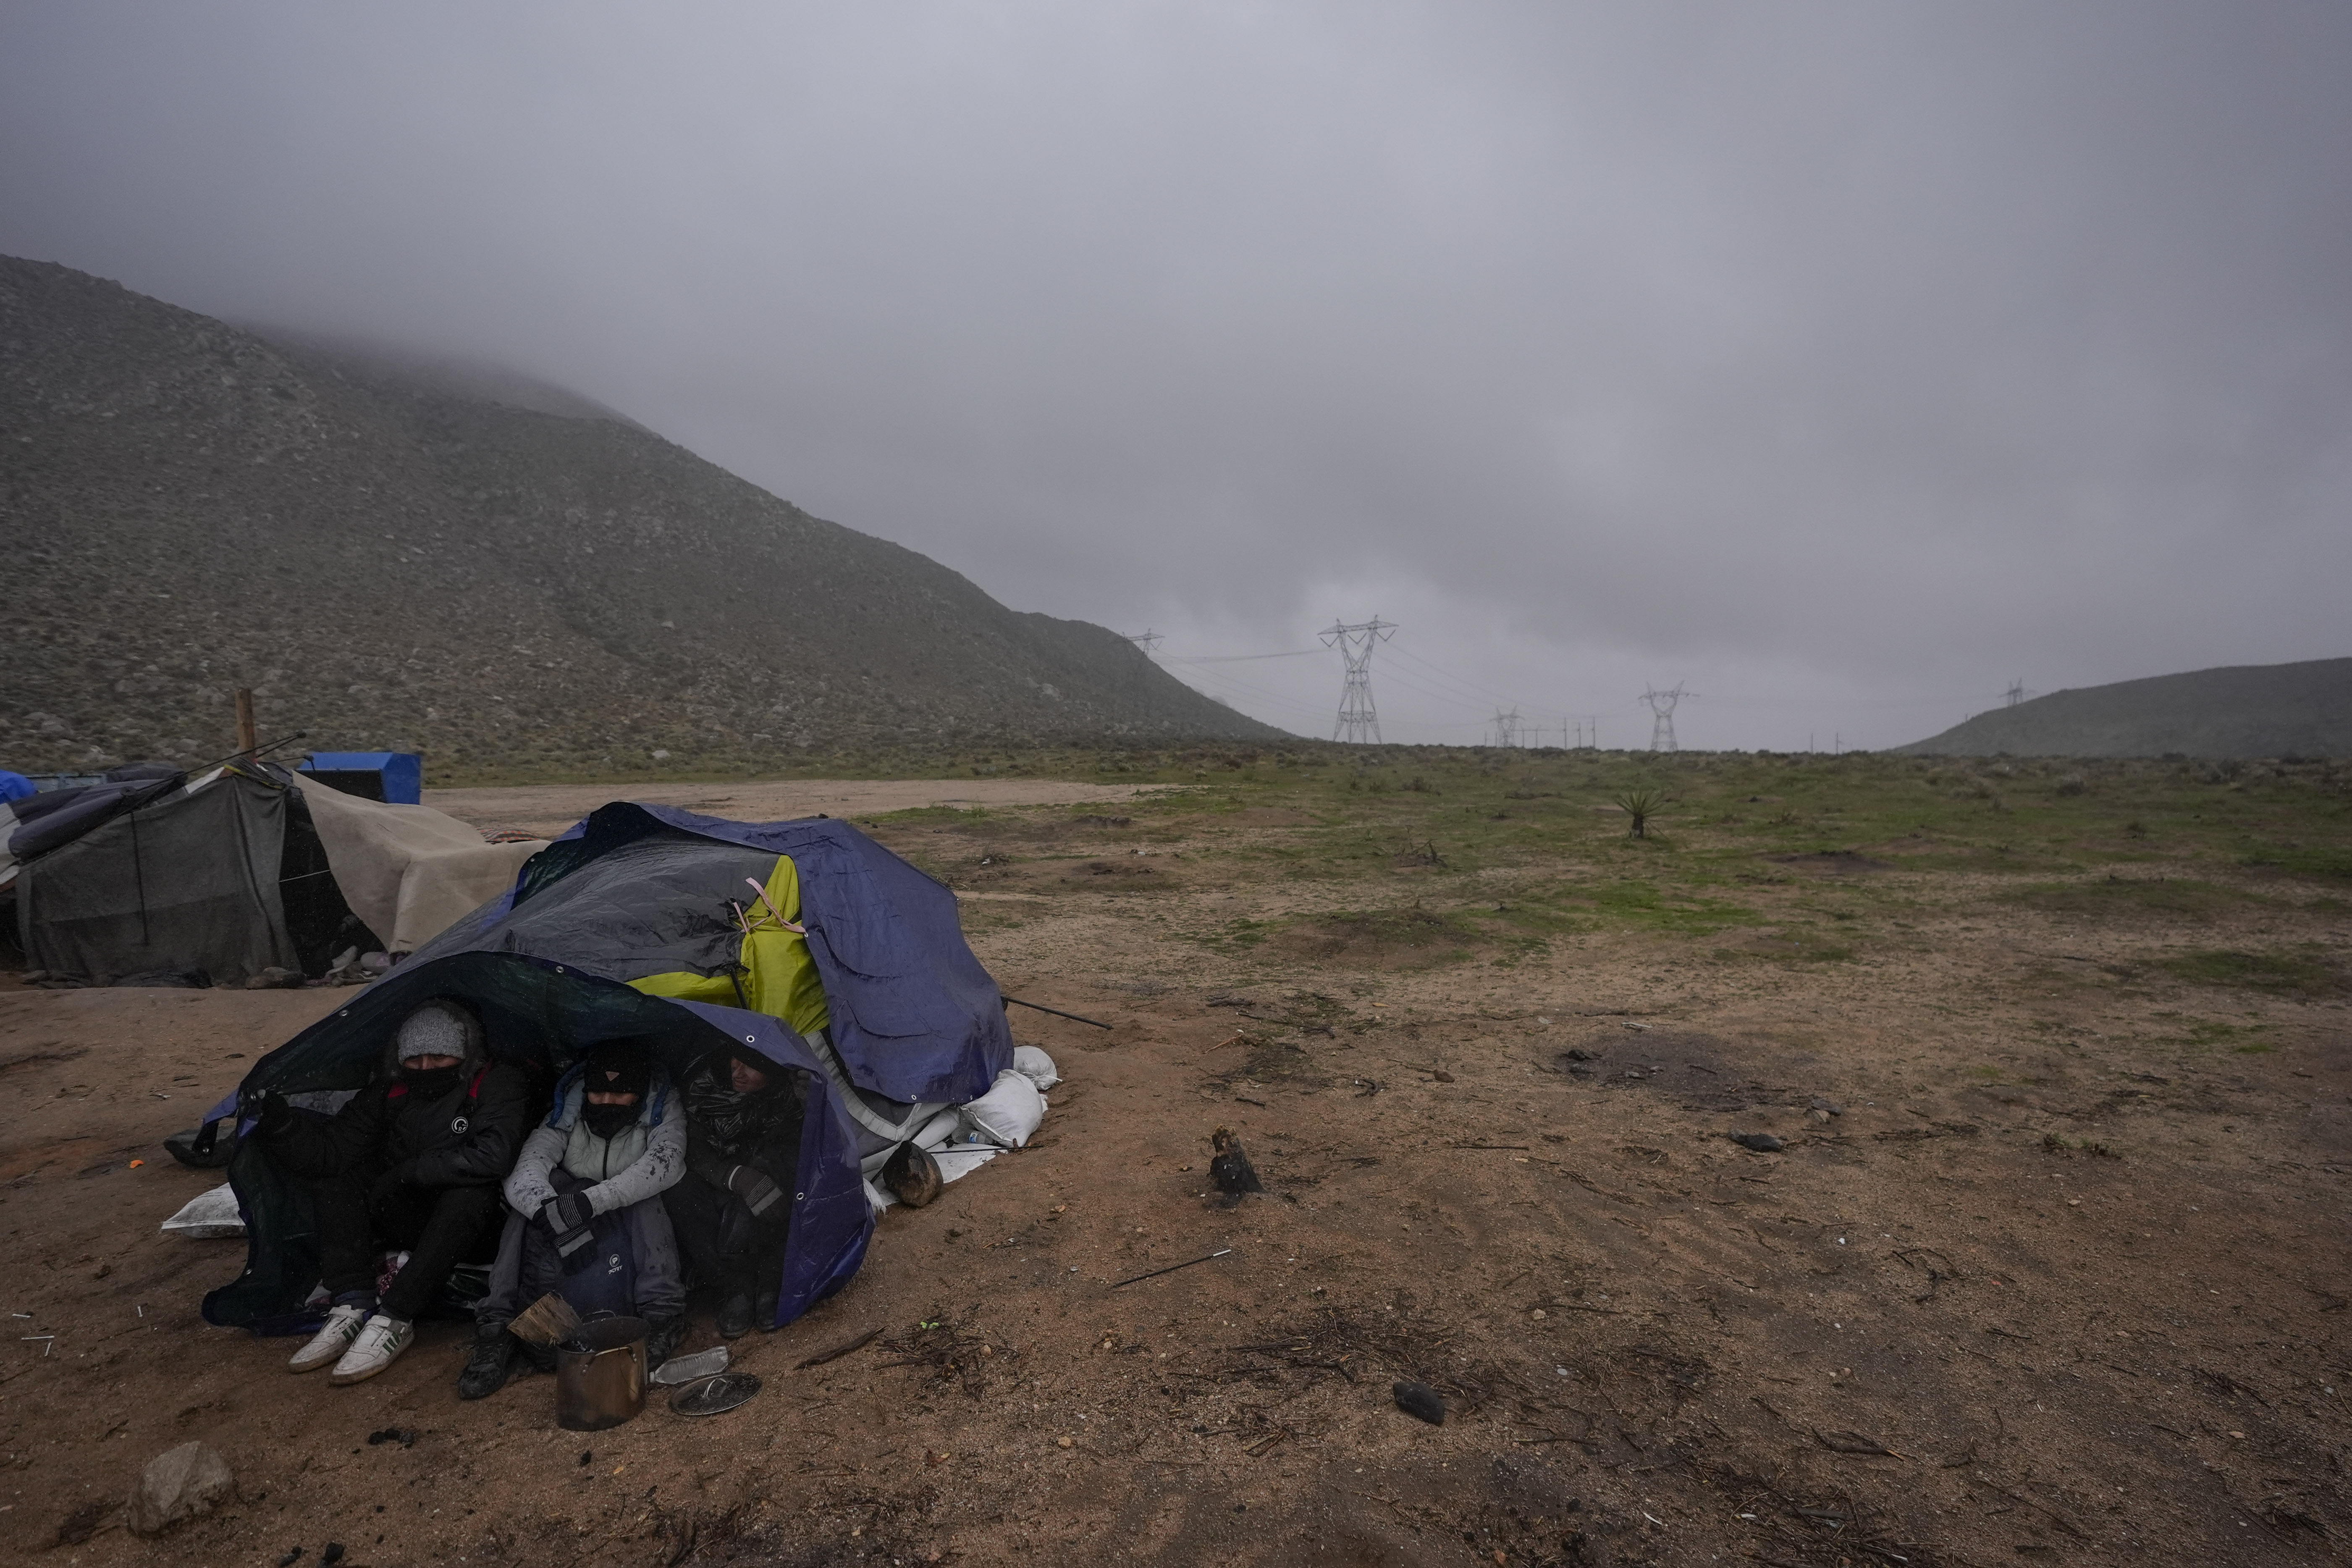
{"x":587,"y":1220}
{"x":412,"y":1161}
{"x":734,"y":1207}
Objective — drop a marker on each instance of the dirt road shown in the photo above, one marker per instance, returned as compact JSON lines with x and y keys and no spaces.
{"x":546,"y":810}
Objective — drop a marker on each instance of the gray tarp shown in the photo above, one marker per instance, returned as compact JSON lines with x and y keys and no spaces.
{"x":409,"y":871}
{"x":189,"y":882}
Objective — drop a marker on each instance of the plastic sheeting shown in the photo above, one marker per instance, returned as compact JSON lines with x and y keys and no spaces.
{"x":186,"y":882}
{"x":409,"y":871}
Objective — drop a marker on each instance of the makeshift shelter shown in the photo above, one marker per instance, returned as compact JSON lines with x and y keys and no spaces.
{"x":209,"y":882}
{"x":806,"y":941}
{"x":173,"y":881}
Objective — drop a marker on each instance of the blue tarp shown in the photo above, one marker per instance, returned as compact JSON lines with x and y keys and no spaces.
{"x":914,"y":1018}
{"x":13,"y":787}
{"x":402,"y":771}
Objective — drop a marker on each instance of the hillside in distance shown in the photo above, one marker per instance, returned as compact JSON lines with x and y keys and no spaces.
{"x":2241,"y":711}
{"x":397,"y":555}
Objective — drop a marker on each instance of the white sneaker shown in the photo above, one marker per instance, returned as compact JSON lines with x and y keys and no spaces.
{"x":328,"y":1343}
{"x":380,"y":1340}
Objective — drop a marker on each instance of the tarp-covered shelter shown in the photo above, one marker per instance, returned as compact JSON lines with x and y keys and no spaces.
{"x":198,"y":882}
{"x":211,"y":880}
{"x":806,"y":941}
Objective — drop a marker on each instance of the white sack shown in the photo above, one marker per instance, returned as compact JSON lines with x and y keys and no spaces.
{"x":1008,"y":1113}
{"x":409,"y":871}
{"x":207,"y":1216}
{"x":1035,"y":1066}
{"x":940,"y":1130}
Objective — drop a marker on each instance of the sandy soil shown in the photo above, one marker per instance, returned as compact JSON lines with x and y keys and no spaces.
{"x":546,"y":810}
{"x":2044,"y":1274}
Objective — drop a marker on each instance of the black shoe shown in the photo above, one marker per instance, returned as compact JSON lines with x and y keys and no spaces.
{"x":735,"y":1316}
{"x":538,"y":1358}
{"x":766,"y":1312}
{"x":488,"y":1368}
{"x":663,"y":1336}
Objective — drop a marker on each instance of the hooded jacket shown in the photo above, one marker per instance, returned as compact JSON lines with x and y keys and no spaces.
{"x":466,"y":1138}
{"x":726,"y":1129}
{"x":630,"y":1166}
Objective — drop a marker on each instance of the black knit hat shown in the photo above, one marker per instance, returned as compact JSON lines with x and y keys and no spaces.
{"x":619,"y":1067}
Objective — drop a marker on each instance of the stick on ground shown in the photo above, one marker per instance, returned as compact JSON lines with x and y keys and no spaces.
{"x":1172,"y":1268}
{"x":837,"y":1351}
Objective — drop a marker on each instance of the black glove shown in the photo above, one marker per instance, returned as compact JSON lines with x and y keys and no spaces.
{"x":275,"y":1117}
{"x":759,"y":1194}
{"x":567,"y":1216}
{"x":567,"y":1213}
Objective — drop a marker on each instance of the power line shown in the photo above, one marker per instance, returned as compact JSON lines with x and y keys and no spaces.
{"x":1256,"y":694}
{"x":1236,"y":658}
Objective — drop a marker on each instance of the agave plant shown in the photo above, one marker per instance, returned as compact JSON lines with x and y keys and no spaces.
{"x":1641,"y":804}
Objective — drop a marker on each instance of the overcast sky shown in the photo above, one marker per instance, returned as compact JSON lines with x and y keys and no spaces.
{"x":1845,"y":361}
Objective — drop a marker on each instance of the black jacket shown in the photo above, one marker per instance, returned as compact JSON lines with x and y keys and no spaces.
{"x":725,"y":1129}
{"x":469,"y":1137}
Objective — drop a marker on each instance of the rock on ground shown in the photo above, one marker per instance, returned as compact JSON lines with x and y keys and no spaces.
{"x":178,"y":1484}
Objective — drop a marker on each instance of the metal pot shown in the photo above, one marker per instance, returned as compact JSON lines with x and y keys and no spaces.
{"x":600,"y":1374}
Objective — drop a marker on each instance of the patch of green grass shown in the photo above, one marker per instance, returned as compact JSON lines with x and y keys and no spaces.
{"x":1407,"y":937}
{"x":1631,"y":905}
{"x":2302,"y":972}
{"x":1239,"y":934}
{"x":2330,"y":860}
{"x":2126,"y":896}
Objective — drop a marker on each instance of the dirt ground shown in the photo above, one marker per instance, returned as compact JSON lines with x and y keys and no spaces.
{"x":2052,"y":1266}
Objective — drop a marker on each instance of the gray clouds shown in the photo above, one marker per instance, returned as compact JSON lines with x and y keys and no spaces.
{"x":1847,"y":360}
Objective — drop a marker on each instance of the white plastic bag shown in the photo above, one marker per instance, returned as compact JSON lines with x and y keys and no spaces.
{"x":1008,"y":1114}
{"x":1035,"y":1066}
{"x":207,"y":1216}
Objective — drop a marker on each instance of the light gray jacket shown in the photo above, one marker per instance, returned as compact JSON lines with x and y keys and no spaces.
{"x":635,"y":1164}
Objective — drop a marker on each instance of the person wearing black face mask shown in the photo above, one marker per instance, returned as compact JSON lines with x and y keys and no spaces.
{"x":587,"y":1220}
{"x":410,"y":1163}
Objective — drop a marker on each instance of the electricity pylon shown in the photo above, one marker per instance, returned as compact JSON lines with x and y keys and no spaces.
{"x":1146,"y":640}
{"x":2015,"y":694}
{"x":1662,"y":710}
{"x":1358,"y":721}
{"x":1507,"y":728}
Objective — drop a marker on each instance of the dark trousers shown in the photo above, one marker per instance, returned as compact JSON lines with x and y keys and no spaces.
{"x":528,"y":1266}
{"x":725,"y":1247}
{"x":439,"y":1227}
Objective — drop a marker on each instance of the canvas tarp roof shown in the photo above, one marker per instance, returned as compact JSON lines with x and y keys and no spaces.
{"x":409,"y":871}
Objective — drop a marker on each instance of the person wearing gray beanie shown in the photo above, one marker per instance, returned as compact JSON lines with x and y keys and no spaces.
{"x":411,"y":1163}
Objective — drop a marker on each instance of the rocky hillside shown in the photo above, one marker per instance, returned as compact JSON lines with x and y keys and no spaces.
{"x":2246,"y":710}
{"x":393,"y":559}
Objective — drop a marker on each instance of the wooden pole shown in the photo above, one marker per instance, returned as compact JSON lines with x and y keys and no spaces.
{"x":248,"y":737}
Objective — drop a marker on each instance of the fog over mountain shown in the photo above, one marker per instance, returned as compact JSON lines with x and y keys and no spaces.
{"x":1847,"y":361}
{"x":420,"y":556}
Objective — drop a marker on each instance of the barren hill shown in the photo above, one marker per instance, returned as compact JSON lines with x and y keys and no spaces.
{"x":416,"y":556}
{"x":2243,"y":710}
